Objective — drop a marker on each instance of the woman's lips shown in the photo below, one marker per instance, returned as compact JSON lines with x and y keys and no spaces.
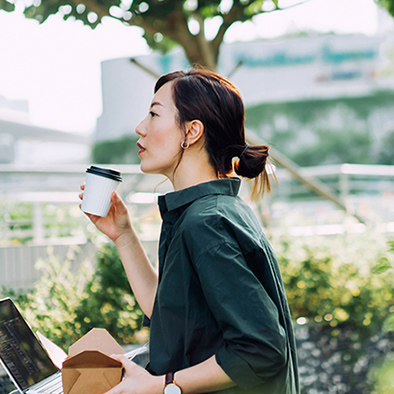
{"x":142,"y":149}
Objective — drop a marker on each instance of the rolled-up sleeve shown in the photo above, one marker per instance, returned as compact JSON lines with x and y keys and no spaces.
{"x":254,"y":341}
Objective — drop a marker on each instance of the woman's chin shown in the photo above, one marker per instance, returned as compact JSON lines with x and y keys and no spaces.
{"x":146,"y":169}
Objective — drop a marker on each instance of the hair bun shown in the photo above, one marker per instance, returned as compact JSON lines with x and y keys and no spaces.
{"x":244,"y":150}
{"x":252,"y":164}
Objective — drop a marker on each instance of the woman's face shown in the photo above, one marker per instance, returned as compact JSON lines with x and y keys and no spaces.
{"x":160,"y":135}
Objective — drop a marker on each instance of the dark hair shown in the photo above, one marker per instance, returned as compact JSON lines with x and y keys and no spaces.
{"x":206,"y":96}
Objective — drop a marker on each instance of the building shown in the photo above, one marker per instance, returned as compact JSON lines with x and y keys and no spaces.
{"x":21,"y":142}
{"x":305,"y":68}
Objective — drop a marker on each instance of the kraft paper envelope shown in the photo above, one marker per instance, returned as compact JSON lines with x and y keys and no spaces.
{"x":89,"y":369}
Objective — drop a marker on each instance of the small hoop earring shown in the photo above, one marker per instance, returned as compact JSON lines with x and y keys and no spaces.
{"x":184,"y":145}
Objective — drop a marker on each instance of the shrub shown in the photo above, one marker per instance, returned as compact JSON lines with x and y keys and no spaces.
{"x":341,"y":287}
{"x":333,"y":284}
{"x":119,"y":151}
{"x":382,"y":376}
{"x":108,"y":299}
{"x":339,"y":283}
{"x":68,"y":301}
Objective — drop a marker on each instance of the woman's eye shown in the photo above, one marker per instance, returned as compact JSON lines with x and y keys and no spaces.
{"x":152,"y":114}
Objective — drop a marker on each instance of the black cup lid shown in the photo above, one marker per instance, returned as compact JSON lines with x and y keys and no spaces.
{"x":105,"y":172}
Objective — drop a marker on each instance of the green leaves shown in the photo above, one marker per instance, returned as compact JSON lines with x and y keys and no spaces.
{"x":345,"y":143}
{"x":382,"y":266}
{"x":66,"y":303}
{"x":121,"y":151}
{"x":384,"y":262}
{"x":388,"y":325}
{"x":336,"y":284}
{"x":166,"y":17}
{"x":388,"y":4}
{"x":6,"y":6}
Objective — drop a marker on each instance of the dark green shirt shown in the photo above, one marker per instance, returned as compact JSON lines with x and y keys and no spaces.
{"x":220,"y":293}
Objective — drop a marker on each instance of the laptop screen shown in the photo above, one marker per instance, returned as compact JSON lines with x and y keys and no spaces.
{"x":20,"y":351}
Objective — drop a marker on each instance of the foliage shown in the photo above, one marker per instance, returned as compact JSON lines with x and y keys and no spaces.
{"x":109,"y":301}
{"x":325,"y":131}
{"x":309,"y":110}
{"x":68,"y":301}
{"x":16,"y":221}
{"x":342,"y":288}
{"x":388,"y":4}
{"x":343,"y":285}
{"x":322,"y":286}
{"x":382,"y":376}
{"x":336,"y":146}
{"x":386,"y":151}
{"x":50,"y":307}
{"x":58,"y":220}
{"x":120,"y":151}
{"x":164,"y":22}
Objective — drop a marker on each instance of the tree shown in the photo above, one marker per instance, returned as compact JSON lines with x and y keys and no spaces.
{"x":166,"y":23}
{"x":387,"y":4}
{"x":170,"y":22}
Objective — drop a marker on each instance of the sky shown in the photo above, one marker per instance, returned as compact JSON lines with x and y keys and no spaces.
{"x":56,"y":65}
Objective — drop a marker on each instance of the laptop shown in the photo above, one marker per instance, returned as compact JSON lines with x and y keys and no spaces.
{"x":25,"y":359}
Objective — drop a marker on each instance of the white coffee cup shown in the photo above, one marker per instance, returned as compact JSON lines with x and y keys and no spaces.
{"x":100,"y":183}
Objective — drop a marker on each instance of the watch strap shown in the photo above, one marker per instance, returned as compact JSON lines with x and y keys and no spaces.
{"x":170,"y":385}
{"x":170,"y":377}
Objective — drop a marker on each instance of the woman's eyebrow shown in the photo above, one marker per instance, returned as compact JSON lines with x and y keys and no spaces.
{"x":156,"y":103}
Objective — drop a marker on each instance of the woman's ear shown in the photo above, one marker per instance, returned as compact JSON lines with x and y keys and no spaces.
{"x":195,"y":130}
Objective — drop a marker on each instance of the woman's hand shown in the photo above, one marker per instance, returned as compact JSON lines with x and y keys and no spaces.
{"x":116,"y":223}
{"x":142,"y":276}
{"x":136,"y":380}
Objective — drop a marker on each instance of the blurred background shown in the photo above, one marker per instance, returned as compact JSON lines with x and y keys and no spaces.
{"x":317,"y":78}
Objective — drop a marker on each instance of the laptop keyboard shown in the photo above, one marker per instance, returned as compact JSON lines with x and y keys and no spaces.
{"x":53,"y":386}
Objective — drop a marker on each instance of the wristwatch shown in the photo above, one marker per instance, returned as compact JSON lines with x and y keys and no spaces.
{"x":171,"y":387}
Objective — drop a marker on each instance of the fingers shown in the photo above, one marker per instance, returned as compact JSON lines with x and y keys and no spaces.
{"x":123,"y":359}
{"x":118,"y":357}
{"x":115,"y":390}
{"x":136,"y":379}
{"x":80,"y":195}
{"x":93,"y":218}
{"x":119,"y":204}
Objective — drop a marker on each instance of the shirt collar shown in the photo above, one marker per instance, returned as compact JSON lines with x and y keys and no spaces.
{"x":174,"y":200}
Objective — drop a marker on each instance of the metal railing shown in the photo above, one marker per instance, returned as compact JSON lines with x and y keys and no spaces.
{"x":46,"y":190}
{"x":39,"y":207}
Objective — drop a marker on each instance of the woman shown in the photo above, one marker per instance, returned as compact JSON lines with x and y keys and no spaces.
{"x":217,"y":310}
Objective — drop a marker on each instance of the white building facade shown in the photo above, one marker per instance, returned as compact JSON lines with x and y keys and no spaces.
{"x":286,"y":69}
{"x":22,"y":142}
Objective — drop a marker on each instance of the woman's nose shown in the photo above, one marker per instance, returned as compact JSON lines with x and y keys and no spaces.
{"x":140,"y":130}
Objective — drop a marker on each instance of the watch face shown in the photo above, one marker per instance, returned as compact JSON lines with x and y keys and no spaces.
{"x":172,"y":389}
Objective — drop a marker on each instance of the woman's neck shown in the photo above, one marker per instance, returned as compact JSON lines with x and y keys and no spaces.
{"x":184,"y":183}
{"x":192,"y":171}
